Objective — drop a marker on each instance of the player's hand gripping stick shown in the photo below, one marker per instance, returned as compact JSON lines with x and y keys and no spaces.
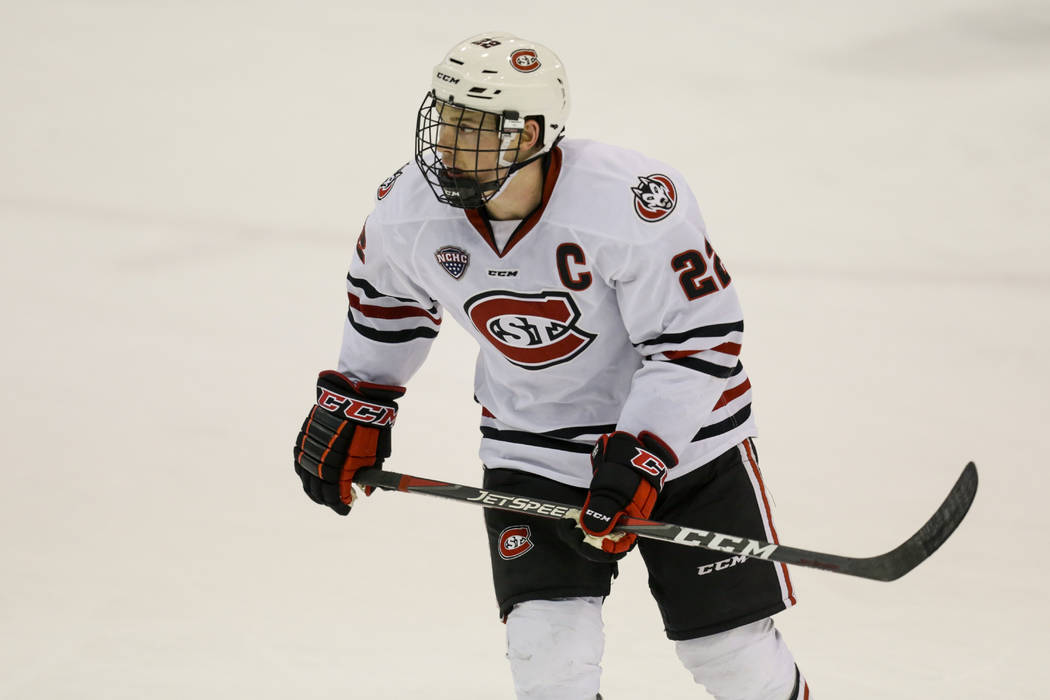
{"x":629,"y":473}
{"x":347,"y":429}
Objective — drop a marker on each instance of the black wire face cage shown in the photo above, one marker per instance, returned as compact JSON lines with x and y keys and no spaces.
{"x":463,"y":153}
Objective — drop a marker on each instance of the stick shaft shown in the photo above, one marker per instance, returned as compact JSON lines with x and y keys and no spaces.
{"x":886,"y":567}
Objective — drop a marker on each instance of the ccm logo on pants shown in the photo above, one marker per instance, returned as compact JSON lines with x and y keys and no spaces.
{"x":720,"y":565}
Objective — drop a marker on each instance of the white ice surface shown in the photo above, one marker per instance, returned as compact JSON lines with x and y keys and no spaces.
{"x":181,"y":185}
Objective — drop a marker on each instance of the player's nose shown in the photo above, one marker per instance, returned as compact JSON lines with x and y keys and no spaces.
{"x":446,"y":146}
{"x":446,"y":139}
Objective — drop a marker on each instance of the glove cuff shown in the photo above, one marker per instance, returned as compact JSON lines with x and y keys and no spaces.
{"x":371,"y":390}
{"x":360,"y":402}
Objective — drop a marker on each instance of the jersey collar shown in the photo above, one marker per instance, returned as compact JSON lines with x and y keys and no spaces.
{"x":480,"y":220}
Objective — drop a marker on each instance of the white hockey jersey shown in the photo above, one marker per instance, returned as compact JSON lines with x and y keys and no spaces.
{"x":607,"y":309}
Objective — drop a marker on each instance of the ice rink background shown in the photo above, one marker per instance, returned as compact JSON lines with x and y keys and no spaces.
{"x":181,"y":185}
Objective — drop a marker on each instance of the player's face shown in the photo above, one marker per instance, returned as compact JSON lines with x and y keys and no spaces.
{"x":469,"y":143}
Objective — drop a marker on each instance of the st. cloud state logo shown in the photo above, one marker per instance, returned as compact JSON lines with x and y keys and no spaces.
{"x":515,"y":541}
{"x":533,"y":331}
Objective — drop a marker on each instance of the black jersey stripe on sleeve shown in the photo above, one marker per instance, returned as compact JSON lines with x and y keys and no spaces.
{"x":714,"y":331}
{"x":575,"y":432}
{"x":723,"y":426}
{"x":401,"y":336}
{"x":373,"y":293}
{"x":534,"y":439}
{"x":715,"y":370}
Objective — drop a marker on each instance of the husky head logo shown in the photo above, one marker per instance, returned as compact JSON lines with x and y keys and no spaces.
{"x":654,"y":197}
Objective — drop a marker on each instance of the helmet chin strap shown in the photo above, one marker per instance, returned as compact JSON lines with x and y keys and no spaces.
{"x":483,"y":188}
{"x":515,"y":168}
{"x":510,"y":128}
{"x":503,"y":187}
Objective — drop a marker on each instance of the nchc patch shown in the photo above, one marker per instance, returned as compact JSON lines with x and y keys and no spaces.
{"x":453,"y":259}
{"x":654,"y":197}
{"x":515,"y":541}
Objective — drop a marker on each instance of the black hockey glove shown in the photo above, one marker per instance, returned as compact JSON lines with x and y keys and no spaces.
{"x":629,"y":473}
{"x":348,"y":428}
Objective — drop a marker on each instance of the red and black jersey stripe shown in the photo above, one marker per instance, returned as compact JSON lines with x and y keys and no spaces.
{"x":402,"y":336}
{"x":372,"y":293}
{"x":402,"y":309}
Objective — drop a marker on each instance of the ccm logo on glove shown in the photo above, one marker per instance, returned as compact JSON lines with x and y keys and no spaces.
{"x":356,"y":410}
{"x":348,"y":429}
{"x":651,"y":465}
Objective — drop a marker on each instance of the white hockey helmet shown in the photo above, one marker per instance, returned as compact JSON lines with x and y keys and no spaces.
{"x":501,"y":74}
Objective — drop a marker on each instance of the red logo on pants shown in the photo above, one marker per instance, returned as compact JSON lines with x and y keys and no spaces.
{"x":515,"y":541}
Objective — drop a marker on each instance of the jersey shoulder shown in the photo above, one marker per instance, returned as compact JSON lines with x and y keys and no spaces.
{"x":405,"y":198}
{"x":607,"y":188}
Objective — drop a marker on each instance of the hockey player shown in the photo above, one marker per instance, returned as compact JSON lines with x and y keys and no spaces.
{"x":608,"y":373}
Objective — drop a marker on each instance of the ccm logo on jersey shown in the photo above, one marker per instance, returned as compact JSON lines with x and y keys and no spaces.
{"x":654,"y":197}
{"x":355,"y":409}
{"x":388,"y":184}
{"x":533,"y":331}
{"x":515,"y":541}
{"x":650,"y":464}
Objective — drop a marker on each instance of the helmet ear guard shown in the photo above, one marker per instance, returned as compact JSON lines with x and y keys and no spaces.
{"x":495,"y":74}
{"x":511,"y":125}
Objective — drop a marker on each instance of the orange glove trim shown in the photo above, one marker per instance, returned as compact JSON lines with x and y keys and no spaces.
{"x":362,"y":451}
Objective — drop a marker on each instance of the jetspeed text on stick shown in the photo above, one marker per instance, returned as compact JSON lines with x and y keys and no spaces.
{"x":519,"y":503}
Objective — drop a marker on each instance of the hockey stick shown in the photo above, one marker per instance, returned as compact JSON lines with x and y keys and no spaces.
{"x":885,"y":567}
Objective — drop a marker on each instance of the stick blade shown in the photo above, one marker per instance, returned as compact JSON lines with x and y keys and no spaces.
{"x":917,"y":548}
